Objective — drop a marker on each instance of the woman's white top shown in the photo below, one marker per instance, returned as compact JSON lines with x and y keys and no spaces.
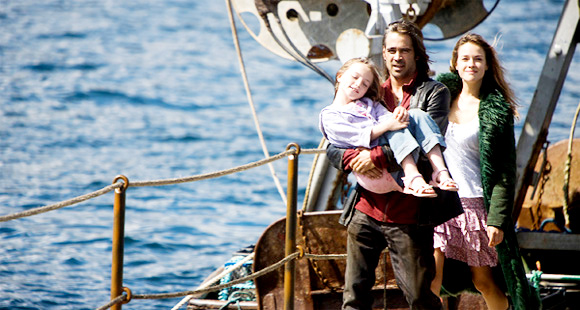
{"x":462,"y":157}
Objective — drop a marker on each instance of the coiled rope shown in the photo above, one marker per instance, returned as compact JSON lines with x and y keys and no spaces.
{"x":114,"y":186}
{"x":566,"y":185}
{"x":218,"y":287}
{"x":240,"y":280}
{"x":215,"y":279}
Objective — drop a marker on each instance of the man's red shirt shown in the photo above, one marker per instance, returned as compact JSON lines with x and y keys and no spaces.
{"x":389,"y":98}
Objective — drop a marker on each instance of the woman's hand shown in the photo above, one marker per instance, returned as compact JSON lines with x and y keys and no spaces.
{"x":363,"y":164}
{"x":495,"y":236}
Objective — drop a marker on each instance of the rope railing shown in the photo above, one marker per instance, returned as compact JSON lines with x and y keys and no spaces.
{"x":280,"y":263}
{"x":172,"y":181}
{"x":113,"y":302}
{"x":61,"y":204}
{"x":124,"y":184}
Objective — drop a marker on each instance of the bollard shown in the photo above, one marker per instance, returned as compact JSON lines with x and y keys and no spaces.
{"x":118,"y":241}
{"x":290,"y":267}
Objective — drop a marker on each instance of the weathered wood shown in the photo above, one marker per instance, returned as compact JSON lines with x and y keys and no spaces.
{"x":540,"y":113}
{"x":207,"y":304}
{"x":547,"y":214}
{"x":324,"y":235}
{"x":548,"y":241}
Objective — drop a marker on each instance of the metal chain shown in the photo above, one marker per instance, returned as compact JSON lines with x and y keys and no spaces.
{"x":346,"y":185}
{"x":545,"y":177}
{"x":313,"y":262}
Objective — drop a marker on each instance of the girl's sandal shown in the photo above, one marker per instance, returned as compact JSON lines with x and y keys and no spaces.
{"x":447,"y":185}
{"x":424,"y":191}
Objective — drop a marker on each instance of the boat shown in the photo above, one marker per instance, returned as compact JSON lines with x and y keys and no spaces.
{"x":310,"y":32}
{"x":291,"y":29}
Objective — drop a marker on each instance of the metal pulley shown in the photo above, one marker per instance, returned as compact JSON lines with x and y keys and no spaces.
{"x":310,"y":28}
{"x":316,"y":31}
{"x":456,"y":17}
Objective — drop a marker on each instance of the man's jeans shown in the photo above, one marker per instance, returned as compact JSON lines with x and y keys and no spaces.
{"x":411,"y":251}
{"x":422,"y":134}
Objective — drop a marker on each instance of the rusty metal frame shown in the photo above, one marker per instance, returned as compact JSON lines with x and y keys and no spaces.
{"x":290,"y":267}
{"x":118,"y":242}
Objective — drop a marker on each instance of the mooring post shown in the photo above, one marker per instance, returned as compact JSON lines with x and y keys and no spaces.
{"x":118,"y":241}
{"x":290,"y":267}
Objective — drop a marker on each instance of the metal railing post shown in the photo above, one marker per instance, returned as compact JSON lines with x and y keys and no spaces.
{"x":118,"y":241}
{"x":290,"y":267}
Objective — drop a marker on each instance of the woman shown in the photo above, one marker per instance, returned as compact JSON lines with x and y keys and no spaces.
{"x":481,"y":158}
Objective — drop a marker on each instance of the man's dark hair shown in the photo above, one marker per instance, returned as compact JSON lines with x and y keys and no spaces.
{"x":412,"y":30}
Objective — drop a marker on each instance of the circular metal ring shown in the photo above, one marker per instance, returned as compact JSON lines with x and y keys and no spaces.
{"x":294,"y":144}
{"x":129,"y":295}
{"x":124,"y":178}
{"x":300,"y":250}
{"x":411,"y":14}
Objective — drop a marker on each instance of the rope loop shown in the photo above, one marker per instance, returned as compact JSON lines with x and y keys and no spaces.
{"x":125,"y":184}
{"x":300,"y":250}
{"x":129,"y":295}
{"x":296,"y":146}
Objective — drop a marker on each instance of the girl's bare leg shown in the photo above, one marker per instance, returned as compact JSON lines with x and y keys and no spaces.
{"x":410,"y":168}
{"x":483,"y":280}
{"x":438,"y":163}
{"x":438,"y":280}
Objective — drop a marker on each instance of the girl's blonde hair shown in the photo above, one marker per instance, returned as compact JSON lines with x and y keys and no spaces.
{"x":375,"y":91}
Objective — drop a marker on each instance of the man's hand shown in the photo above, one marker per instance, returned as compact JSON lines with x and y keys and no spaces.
{"x":495,"y":236}
{"x":363,"y":164}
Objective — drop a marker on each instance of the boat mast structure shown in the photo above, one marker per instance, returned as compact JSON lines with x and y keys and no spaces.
{"x":309,"y":32}
{"x":539,"y":116}
{"x":313,"y":31}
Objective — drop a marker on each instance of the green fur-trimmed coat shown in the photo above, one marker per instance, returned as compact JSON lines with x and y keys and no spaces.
{"x":498,"y":174}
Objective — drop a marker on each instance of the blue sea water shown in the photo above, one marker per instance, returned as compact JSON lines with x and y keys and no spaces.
{"x":151,"y":90}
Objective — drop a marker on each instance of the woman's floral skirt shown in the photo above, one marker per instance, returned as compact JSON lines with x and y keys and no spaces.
{"x":464,"y":237}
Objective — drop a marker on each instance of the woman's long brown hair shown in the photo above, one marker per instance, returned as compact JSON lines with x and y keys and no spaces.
{"x":494,"y":77}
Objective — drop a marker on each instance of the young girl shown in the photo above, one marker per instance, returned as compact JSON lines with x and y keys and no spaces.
{"x":356,"y":118}
{"x":482,"y":157}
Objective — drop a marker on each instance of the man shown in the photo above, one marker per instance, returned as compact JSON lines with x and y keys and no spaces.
{"x":402,"y":223}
